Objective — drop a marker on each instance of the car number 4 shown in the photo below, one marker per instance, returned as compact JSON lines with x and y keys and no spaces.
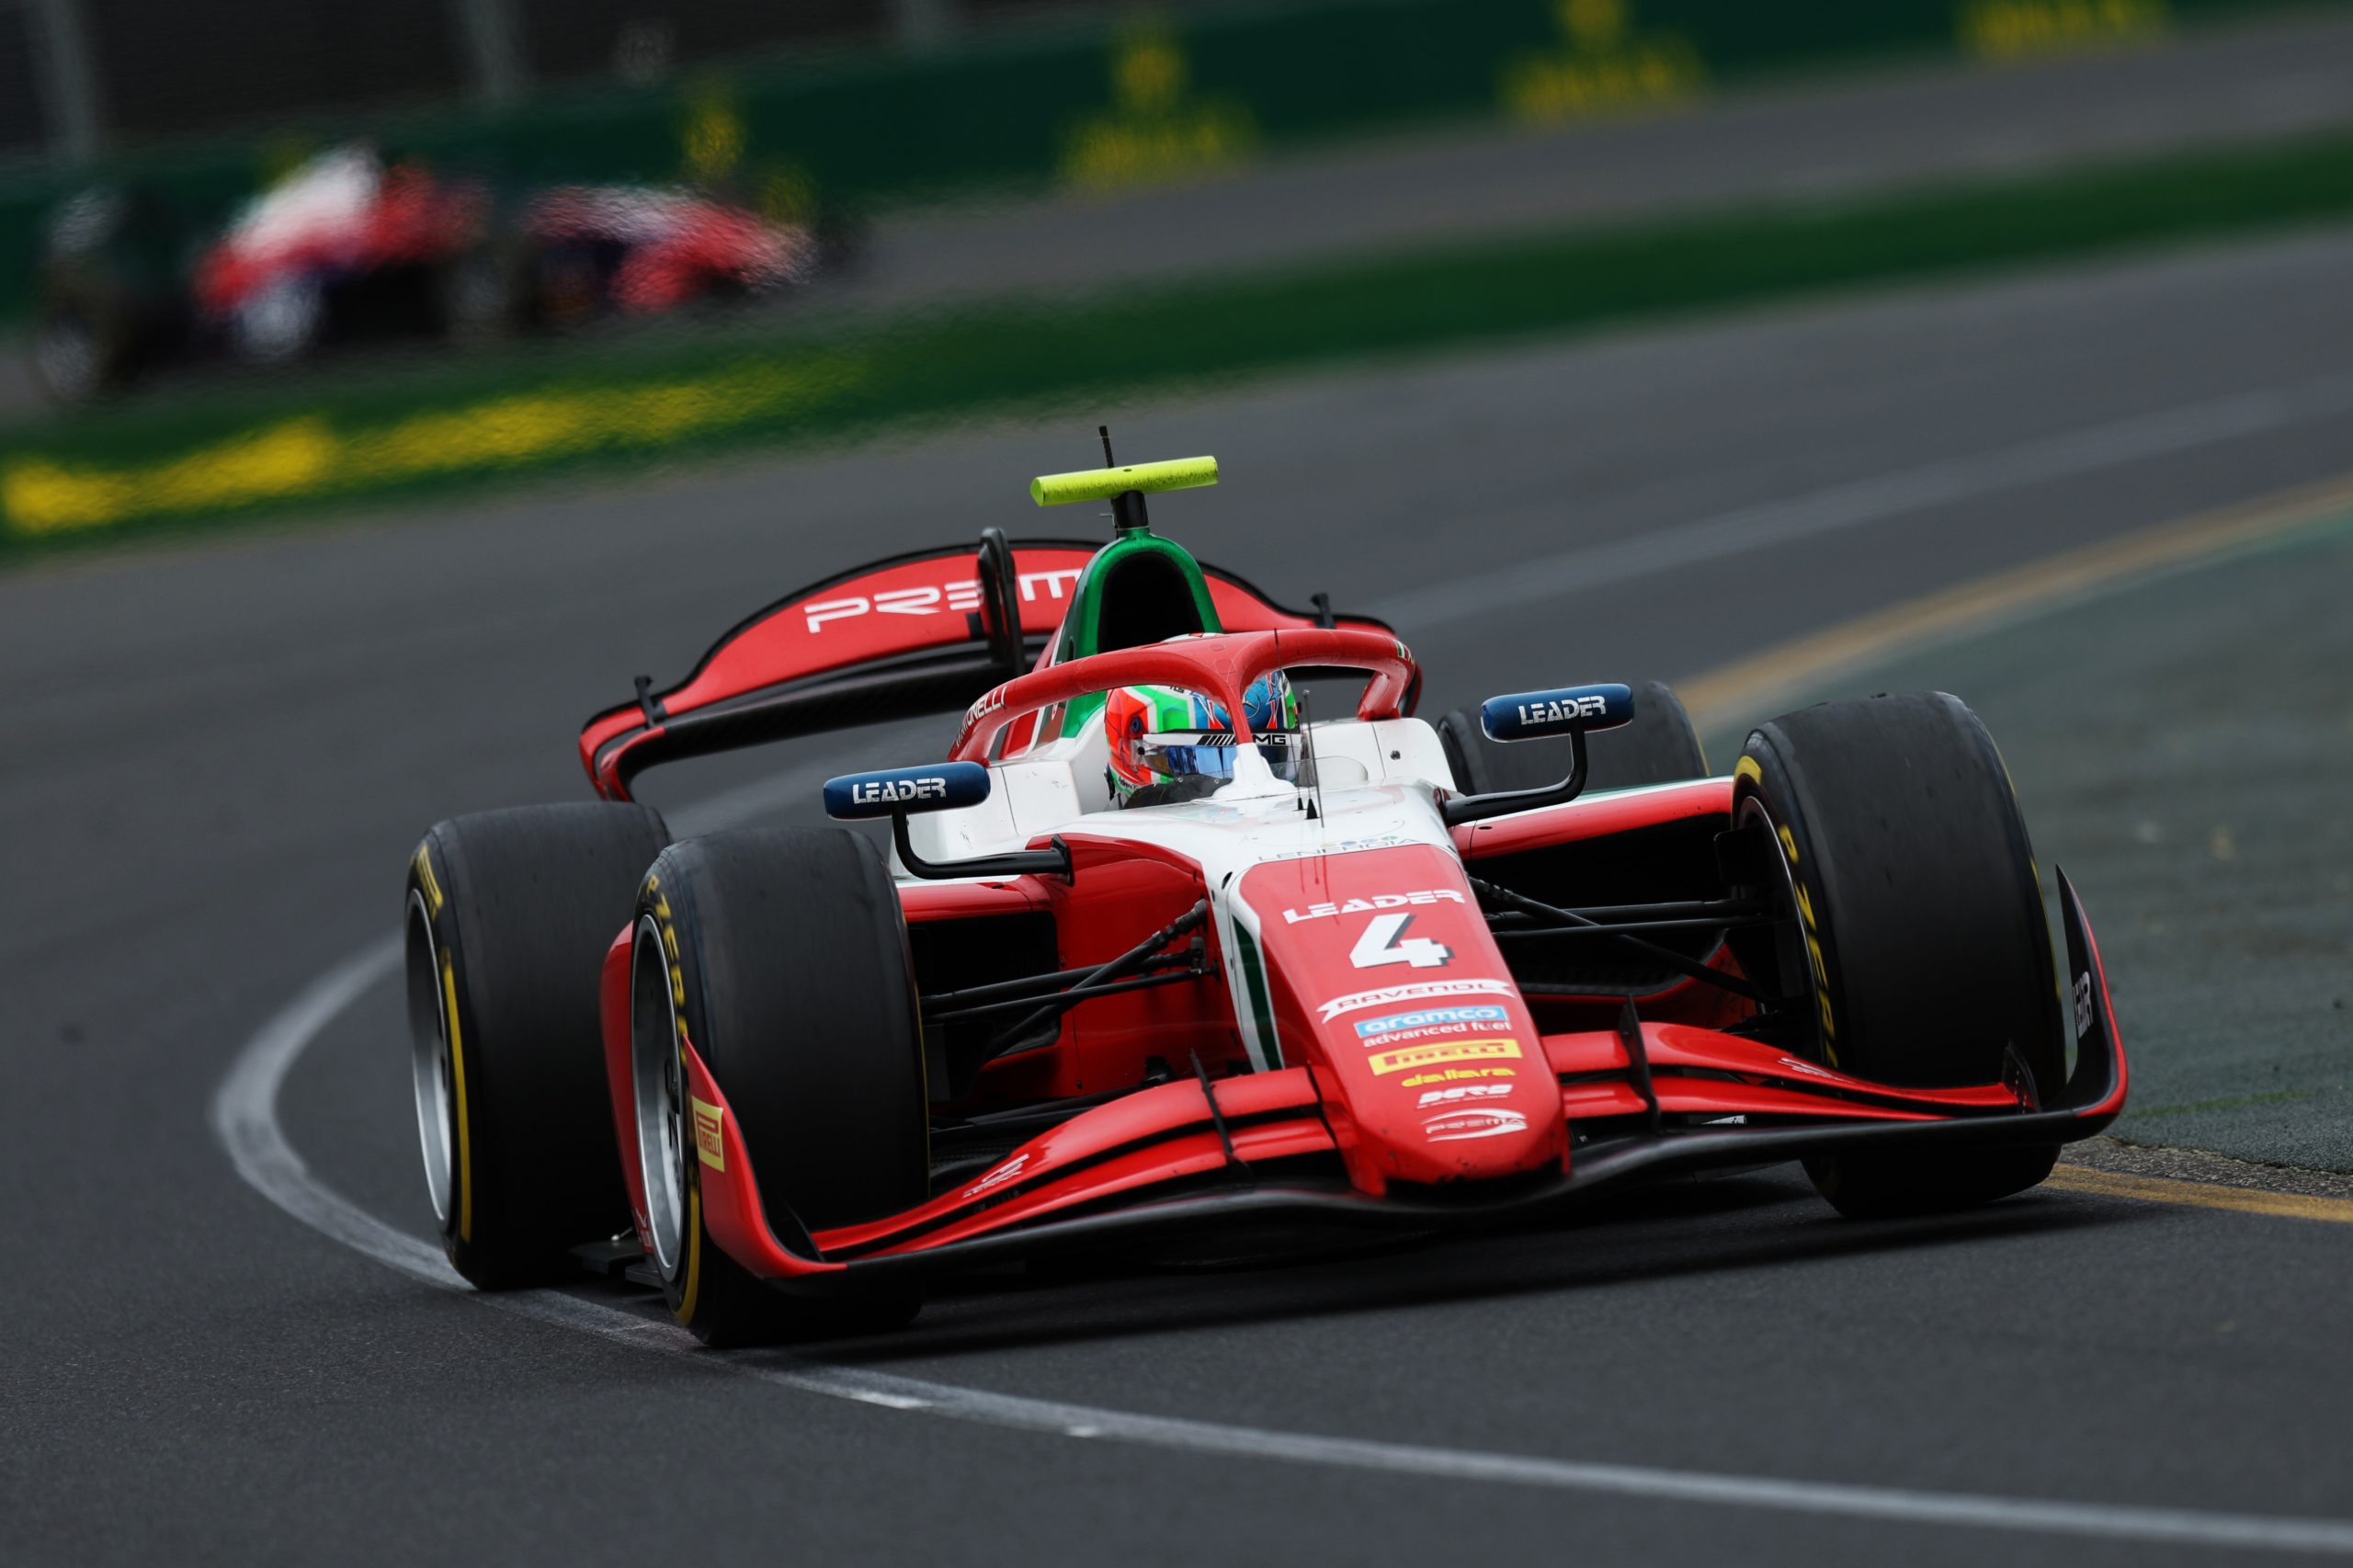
{"x":1384,"y":942}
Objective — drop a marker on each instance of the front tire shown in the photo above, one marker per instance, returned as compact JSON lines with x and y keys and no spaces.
{"x":508,"y":916}
{"x":1894,"y":840}
{"x":780,"y":957}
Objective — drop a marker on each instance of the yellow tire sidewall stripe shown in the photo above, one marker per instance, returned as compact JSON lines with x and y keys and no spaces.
{"x":685,"y":1311}
{"x":458,"y":1092}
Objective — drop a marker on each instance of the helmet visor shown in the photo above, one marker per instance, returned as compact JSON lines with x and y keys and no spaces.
{"x":1192,"y":754}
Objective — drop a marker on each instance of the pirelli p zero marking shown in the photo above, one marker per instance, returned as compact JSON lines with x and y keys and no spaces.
{"x":1753,"y":811}
{"x":427,"y":882}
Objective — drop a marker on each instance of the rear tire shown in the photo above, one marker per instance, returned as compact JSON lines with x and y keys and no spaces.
{"x":1912,"y":881}
{"x":1659,"y":747}
{"x":780,"y":955}
{"x":509,"y":914}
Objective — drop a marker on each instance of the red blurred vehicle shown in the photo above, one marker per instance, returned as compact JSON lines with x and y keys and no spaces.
{"x":1365,"y":973}
{"x":346,"y":246}
{"x":342,"y":248}
{"x":585,"y":251}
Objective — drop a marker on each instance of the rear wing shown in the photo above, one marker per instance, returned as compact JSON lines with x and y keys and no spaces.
{"x":927,"y":632}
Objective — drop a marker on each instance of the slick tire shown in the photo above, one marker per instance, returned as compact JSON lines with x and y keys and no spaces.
{"x":1659,"y":747}
{"x":1897,"y":848}
{"x":508,"y":914}
{"x":780,"y":956}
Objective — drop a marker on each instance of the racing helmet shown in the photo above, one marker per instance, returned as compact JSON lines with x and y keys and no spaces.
{"x":1178,"y":744}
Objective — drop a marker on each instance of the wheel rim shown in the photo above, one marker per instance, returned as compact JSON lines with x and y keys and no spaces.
{"x":429,"y":1072}
{"x":658,"y":1094}
{"x":279,"y":322}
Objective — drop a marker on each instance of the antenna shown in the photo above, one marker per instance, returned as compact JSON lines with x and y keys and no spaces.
{"x":1315,"y":773}
{"x":1105,"y":431}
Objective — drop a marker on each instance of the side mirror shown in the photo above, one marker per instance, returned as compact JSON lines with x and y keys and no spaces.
{"x":895,"y":792}
{"x":1572,"y":711}
{"x":1566,"y":710}
{"x":900,"y":792}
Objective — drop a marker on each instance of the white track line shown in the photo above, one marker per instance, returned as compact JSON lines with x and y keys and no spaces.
{"x":244,"y":1110}
{"x":2063,"y":455}
{"x":245,"y":1115}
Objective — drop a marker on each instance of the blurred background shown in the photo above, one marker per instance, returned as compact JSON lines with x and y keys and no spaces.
{"x":425,"y":209}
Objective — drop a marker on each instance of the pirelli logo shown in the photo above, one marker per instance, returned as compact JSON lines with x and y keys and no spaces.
{"x":710,"y":1146}
{"x":1406,"y":1059}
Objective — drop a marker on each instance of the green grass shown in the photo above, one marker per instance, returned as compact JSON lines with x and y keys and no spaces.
{"x":659,"y":398}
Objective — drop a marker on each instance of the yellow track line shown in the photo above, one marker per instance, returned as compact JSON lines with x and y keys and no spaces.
{"x":1720,"y":694}
{"x":2199,"y":1195}
{"x":1727,"y":694}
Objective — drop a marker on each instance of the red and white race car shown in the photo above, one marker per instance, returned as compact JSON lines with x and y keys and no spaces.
{"x":344,"y":244}
{"x":1345,"y":978}
{"x":586,"y":251}
{"x":348,"y":246}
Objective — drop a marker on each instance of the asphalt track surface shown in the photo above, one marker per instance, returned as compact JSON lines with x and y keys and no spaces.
{"x":219,"y":758}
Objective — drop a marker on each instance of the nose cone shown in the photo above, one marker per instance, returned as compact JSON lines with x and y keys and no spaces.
{"x":1431,"y":1060}
{"x":1453,"y":1107}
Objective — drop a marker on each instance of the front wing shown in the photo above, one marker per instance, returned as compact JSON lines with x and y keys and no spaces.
{"x":1190,"y":1156}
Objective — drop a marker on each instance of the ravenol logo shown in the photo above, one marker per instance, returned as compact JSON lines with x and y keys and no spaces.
{"x":1373,"y":1027}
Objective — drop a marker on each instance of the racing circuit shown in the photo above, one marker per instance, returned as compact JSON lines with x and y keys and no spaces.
{"x":223,"y":753}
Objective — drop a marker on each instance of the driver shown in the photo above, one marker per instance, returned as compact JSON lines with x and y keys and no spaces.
{"x":1168,"y":744}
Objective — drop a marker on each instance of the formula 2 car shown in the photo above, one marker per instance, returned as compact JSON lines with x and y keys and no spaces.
{"x":1156,"y":962}
{"x":588,"y":251}
{"x":344,"y":246}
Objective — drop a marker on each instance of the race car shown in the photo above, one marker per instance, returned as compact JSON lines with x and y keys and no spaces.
{"x":1155,"y":962}
{"x":349,"y":245}
{"x":344,"y":246}
{"x":581,"y":252}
